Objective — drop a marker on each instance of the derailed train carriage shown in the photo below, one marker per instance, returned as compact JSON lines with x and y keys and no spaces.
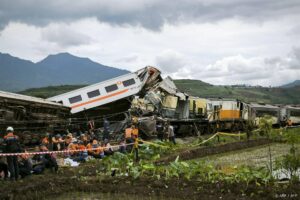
{"x":150,"y":98}
{"x":30,"y":116}
{"x":143,"y":94}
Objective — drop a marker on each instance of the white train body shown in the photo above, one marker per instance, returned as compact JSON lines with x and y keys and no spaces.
{"x":103,"y":92}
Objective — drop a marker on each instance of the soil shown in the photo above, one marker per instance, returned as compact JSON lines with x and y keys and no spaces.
{"x":84,"y":179}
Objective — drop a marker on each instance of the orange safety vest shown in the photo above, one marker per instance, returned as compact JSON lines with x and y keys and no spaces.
{"x":128,"y":132}
{"x":135,"y":132}
{"x":45,"y":140}
{"x":10,"y":135}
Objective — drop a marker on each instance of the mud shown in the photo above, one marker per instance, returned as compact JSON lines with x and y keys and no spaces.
{"x":200,"y":152}
{"x":55,"y":185}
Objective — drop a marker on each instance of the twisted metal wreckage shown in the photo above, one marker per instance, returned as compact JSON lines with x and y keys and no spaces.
{"x":143,"y":94}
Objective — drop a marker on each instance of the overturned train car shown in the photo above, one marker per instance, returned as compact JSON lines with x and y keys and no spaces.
{"x":31,"y":116}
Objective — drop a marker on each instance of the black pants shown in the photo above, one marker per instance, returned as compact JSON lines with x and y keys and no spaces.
{"x":3,"y":167}
{"x":129,"y":147}
{"x":136,"y":154}
{"x":13,"y":168}
{"x":172,"y":139}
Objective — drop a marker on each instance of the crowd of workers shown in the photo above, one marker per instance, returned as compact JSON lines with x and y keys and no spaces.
{"x":78,"y":146}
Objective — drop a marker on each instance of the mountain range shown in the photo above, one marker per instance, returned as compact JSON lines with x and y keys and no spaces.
{"x":61,"y":69}
{"x":63,"y":72}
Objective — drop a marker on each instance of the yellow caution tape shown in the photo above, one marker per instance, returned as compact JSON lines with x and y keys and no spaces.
{"x":220,"y":133}
{"x":231,"y":134}
{"x":208,"y":139}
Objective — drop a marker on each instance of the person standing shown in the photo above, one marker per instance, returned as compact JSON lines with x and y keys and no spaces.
{"x":135,"y":135}
{"x":106,"y":129}
{"x":128,"y":139}
{"x":160,"y":131}
{"x":12,"y":145}
{"x":171,"y":134}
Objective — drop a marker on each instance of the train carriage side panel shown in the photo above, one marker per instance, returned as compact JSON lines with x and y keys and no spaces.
{"x":100,"y":93}
{"x":230,"y":110}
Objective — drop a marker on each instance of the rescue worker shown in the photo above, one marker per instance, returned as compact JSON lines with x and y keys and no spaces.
{"x":135,"y":135}
{"x":95,"y":150}
{"x":68,"y":139}
{"x":166,"y":131}
{"x":49,"y":160}
{"x":12,"y":145}
{"x":160,"y":131}
{"x":171,"y":134}
{"x":72,"y":147}
{"x":128,"y":138}
{"x":82,"y":154}
{"x":25,"y":165}
{"x":45,"y":141}
{"x":57,"y":142}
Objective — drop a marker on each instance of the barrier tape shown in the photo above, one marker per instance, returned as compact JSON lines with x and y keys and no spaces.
{"x":231,"y":134}
{"x":220,"y":133}
{"x":60,"y":152}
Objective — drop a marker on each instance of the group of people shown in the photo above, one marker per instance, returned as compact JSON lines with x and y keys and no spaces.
{"x":20,"y":166}
{"x":78,"y":147}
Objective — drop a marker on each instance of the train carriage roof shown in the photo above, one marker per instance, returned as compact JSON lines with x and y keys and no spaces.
{"x":20,"y":97}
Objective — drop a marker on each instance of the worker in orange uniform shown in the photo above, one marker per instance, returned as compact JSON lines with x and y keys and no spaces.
{"x":95,"y":149}
{"x":12,"y":145}
{"x":45,"y":141}
{"x":135,"y":135}
{"x":128,"y":138}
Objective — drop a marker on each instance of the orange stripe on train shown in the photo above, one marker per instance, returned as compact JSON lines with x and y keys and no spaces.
{"x":100,"y":98}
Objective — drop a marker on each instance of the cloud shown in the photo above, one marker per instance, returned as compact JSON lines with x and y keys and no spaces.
{"x":238,"y":69}
{"x":64,"y":36}
{"x":150,"y":14}
{"x":170,"y":61}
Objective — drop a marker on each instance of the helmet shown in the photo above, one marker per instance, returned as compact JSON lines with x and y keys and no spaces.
{"x":9,"y":129}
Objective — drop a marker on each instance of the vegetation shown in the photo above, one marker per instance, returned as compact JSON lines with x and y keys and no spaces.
{"x":273,"y":95}
{"x":50,"y":91}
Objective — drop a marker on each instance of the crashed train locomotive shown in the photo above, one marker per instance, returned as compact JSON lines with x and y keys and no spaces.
{"x":143,"y":94}
{"x":147,"y":96}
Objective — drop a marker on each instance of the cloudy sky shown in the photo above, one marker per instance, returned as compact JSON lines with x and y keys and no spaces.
{"x":217,"y":41}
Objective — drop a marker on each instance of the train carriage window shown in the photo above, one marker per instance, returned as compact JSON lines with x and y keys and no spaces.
{"x":111,"y":88}
{"x":93,"y":93}
{"x":128,"y":82}
{"x":75,"y":99}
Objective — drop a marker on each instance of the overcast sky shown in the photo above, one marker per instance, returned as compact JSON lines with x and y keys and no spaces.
{"x":254,"y":42}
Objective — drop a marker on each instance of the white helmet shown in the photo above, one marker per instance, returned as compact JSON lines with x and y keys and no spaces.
{"x":10,"y":129}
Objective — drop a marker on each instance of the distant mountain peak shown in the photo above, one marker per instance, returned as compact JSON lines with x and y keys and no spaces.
{"x":292,"y":84}
{"x":56,"y":69}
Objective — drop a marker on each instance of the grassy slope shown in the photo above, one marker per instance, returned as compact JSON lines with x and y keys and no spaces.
{"x":202,"y":89}
{"x":50,"y":91}
{"x":266,"y":95}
